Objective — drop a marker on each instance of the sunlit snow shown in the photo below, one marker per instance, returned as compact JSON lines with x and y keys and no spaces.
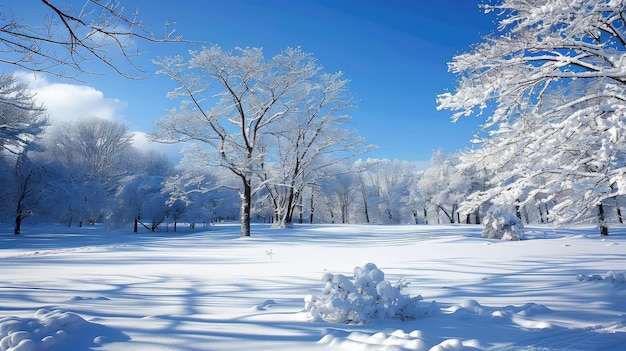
{"x":89,"y":289}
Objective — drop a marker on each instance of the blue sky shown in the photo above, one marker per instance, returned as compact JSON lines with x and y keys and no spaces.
{"x":394,"y":52}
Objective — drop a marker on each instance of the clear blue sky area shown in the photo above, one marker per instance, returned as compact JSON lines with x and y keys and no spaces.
{"x":393,"y":51}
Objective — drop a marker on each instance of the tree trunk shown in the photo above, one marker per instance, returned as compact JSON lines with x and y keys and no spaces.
{"x":425,"y":216}
{"x":246,"y":199}
{"x":301,"y":208}
{"x":477,"y":216}
{"x":312,"y":208}
{"x":364,"y":194}
{"x":23,"y":191}
{"x":449,"y":215}
{"x":415,"y":218}
{"x":604,"y":230}
{"x":619,"y":211}
{"x":18,"y":224}
{"x":289,"y":207}
{"x":69,"y":222}
{"x":135,"y":229}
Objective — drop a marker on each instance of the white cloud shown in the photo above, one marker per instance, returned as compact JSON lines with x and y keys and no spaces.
{"x":173,"y":151}
{"x":67,"y":102}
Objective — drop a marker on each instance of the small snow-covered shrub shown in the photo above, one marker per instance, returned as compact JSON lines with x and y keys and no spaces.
{"x":365,"y":297}
{"x":498,"y":224}
{"x":617,"y":278}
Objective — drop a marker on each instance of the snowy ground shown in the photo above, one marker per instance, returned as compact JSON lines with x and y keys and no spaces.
{"x":88,"y":289}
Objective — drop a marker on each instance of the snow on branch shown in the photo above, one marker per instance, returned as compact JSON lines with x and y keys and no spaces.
{"x":364,"y":298}
{"x":67,"y":39}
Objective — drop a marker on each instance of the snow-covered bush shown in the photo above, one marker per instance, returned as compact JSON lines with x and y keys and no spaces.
{"x":616,"y":278}
{"x":498,"y":224}
{"x":366,"y":297}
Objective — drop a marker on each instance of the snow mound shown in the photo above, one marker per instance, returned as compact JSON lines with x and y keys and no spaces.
{"x":498,"y":224}
{"x":396,"y":340}
{"x":264,"y":305}
{"x":364,"y":298}
{"x":48,"y":330}
{"x":470,"y":314}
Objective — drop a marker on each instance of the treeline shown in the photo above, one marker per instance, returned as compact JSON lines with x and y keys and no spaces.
{"x":88,"y":171}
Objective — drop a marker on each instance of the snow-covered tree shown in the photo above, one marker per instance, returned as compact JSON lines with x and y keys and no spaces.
{"x":398,"y":178}
{"x":309,"y":199}
{"x":470,"y":179}
{"x":309,"y":138}
{"x":21,"y":119}
{"x":416,"y":202}
{"x":61,"y":203}
{"x":81,"y":186}
{"x":21,"y":123}
{"x":6,"y":177}
{"x":385,"y":188}
{"x":21,"y":190}
{"x":139,"y":201}
{"x":254,"y":97}
{"x":443,"y":187}
{"x":24,"y":189}
{"x":93,"y":150}
{"x":93,"y":154}
{"x":148,"y":162}
{"x":198,"y":195}
{"x":552,"y":81}
{"x":339,"y":195}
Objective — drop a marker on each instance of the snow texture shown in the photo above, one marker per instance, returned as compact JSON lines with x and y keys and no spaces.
{"x":89,"y":289}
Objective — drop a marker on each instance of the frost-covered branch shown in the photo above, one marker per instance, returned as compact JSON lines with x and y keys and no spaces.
{"x":553,"y":83}
{"x":69,"y":38}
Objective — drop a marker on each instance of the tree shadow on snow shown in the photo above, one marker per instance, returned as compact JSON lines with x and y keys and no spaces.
{"x":91,"y":336}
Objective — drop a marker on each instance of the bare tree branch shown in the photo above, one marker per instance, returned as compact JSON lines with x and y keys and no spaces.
{"x":67,"y":39}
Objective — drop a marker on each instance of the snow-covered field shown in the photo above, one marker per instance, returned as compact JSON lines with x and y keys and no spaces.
{"x":89,"y":289}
